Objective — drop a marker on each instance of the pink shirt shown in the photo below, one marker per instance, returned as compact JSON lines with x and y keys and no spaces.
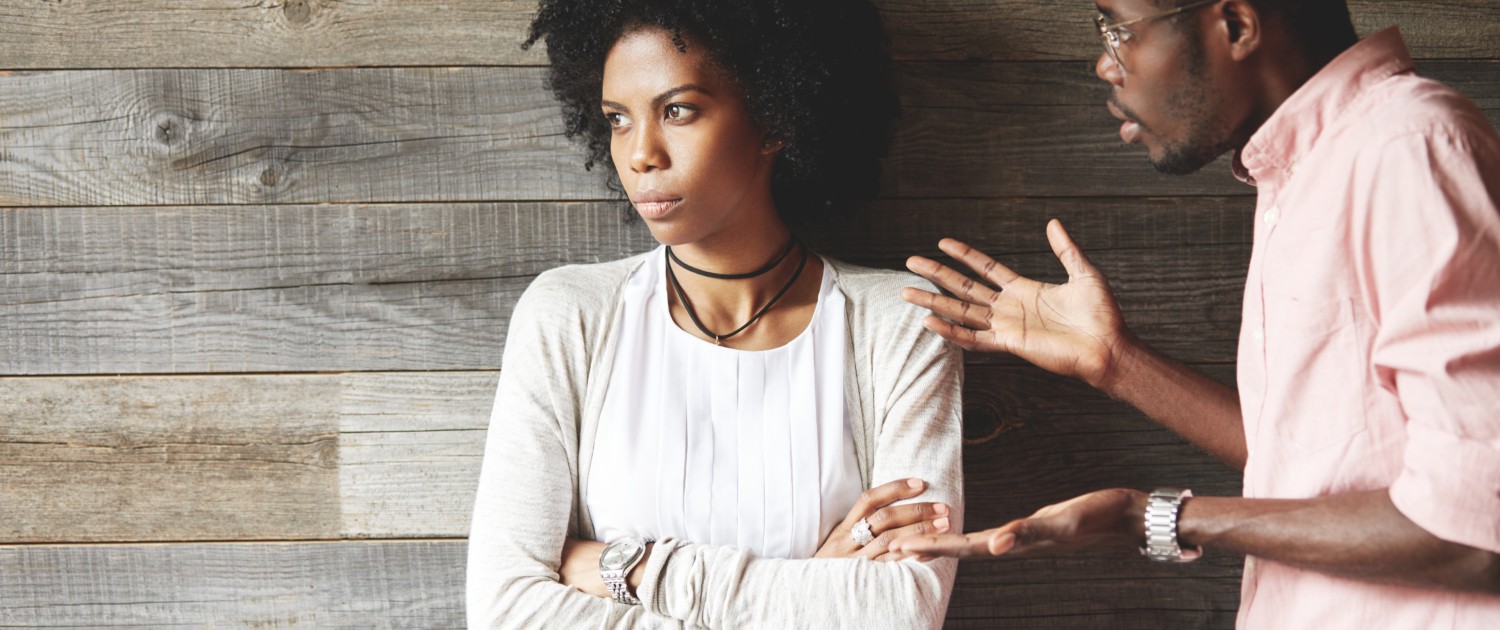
{"x":1369,"y":356}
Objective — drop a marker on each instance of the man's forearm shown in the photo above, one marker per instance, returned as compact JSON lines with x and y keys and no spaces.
{"x":1200,"y":409}
{"x":1358,"y":535}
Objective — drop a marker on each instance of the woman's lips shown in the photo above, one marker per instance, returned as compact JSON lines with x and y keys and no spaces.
{"x":654,"y":205}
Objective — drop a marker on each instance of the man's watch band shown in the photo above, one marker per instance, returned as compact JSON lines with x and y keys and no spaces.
{"x":1162,"y":508}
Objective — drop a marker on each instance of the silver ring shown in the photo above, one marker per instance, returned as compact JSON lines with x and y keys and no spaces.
{"x":861,"y":534}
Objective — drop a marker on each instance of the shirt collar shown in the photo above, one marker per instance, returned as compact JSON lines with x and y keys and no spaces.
{"x":1295,"y":127}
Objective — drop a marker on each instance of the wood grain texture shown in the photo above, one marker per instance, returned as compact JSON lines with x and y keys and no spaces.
{"x":270,"y":457}
{"x":168,"y":459}
{"x":417,"y":287}
{"x":325,"y":33}
{"x":173,"y":137}
{"x":192,"y":137}
{"x":397,"y":455}
{"x":355,"y":585}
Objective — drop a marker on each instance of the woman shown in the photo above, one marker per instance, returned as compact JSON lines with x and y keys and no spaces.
{"x":726,"y":431}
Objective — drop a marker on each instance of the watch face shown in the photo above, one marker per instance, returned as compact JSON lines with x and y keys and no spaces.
{"x":621,"y":552}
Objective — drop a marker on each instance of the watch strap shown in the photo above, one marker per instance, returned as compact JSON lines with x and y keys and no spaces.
{"x":1163,"y":506}
{"x":619,"y":589}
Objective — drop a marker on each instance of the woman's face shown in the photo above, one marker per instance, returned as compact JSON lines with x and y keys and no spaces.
{"x":691,"y":160}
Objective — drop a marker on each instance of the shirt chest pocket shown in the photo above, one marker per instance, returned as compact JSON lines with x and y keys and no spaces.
{"x":1316,"y":368}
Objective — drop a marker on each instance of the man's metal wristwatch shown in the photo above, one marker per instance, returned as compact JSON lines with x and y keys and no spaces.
{"x":615,"y":564}
{"x":1161,"y":527}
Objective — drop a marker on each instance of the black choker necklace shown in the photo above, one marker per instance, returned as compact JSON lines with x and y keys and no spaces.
{"x":736,"y":276}
{"x":693,"y":315}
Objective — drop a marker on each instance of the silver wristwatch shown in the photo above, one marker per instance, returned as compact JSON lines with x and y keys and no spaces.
{"x":1162,"y":507}
{"x":615,"y":564}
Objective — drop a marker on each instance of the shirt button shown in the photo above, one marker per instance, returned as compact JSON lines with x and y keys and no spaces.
{"x":1272,"y":215}
{"x":1260,"y":338}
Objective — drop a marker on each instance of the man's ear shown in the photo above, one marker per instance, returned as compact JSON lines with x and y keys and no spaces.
{"x":1240,"y":27}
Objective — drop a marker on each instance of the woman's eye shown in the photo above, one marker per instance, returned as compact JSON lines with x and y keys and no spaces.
{"x":616,"y":120}
{"x":679,"y":113}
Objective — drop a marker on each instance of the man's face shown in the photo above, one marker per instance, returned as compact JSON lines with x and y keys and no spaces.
{"x":1165,"y":91}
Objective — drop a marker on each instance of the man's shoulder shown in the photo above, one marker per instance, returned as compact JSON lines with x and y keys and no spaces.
{"x":1409,"y":104}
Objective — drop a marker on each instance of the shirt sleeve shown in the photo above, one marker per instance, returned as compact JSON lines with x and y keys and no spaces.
{"x":1434,"y":252}
{"x":920,"y":435}
{"x":524,"y":507}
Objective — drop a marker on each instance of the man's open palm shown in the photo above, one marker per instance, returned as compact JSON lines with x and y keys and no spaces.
{"x":1074,"y":329}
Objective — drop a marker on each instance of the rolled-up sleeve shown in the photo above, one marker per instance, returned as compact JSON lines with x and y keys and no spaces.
{"x":1438,"y":344}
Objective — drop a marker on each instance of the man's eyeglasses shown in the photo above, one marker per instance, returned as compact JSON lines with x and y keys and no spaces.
{"x":1115,"y":34}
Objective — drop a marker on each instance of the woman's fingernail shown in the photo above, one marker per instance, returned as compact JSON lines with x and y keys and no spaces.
{"x":941,"y":524}
{"x":940,"y":509}
{"x":914,"y":483}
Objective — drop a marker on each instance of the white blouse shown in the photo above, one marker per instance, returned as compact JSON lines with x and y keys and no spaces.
{"x":719,"y":446}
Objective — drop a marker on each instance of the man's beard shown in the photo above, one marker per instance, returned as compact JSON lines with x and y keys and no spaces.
{"x":1201,"y":105}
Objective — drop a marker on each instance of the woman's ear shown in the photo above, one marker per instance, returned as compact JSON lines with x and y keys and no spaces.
{"x":771,"y":145}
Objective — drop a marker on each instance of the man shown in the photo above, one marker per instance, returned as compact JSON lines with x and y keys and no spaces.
{"x":1367,"y":418}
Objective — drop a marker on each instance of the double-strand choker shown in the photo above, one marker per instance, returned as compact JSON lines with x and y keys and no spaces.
{"x":790,"y":243}
{"x":687,"y":305}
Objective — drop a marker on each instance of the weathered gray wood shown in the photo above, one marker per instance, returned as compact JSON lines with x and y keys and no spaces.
{"x":410,"y":446}
{"x":168,"y":459}
{"x":241,"y":457}
{"x":187,"y":137}
{"x":396,"y":287}
{"x":355,"y":585}
{"x":397,"y":455}
{"x":168,"y":137}
{"x":323,"y":33}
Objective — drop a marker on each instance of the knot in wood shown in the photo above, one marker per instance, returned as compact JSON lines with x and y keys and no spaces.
{"x":985,"y":420}
{"x":270,"y":177}
{"x":298,"y":12}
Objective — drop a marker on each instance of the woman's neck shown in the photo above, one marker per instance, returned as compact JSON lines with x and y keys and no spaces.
{"x":724,"y":305}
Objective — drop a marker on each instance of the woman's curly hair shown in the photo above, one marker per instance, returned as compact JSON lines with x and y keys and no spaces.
{"x":815,"y":74}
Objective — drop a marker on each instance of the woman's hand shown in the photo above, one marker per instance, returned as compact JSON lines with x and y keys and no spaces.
{"x":1073,"y":329}
{"x":887,"y":522}
{"x":580,"y":567}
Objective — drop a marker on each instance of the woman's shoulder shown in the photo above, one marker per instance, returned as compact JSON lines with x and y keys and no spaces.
{"x":877,"y":290}
{"x":583,"y":289}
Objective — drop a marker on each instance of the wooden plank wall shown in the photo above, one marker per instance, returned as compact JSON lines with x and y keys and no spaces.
{"x":257,"y":259}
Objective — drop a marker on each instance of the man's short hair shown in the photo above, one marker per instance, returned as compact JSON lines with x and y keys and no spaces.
{"x":1322,"y":27}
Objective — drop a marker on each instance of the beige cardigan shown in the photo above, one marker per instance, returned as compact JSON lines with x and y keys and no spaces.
{"x":904,"y":403}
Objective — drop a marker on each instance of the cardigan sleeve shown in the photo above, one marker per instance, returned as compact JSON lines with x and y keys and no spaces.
{"x":527,"y":493}
{"x":918,"y":415}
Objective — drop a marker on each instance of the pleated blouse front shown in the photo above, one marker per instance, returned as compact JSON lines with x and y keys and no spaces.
{"x":719,"y":446}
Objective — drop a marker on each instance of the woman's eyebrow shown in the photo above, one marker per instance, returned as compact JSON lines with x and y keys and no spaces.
{"x":662,"y":98}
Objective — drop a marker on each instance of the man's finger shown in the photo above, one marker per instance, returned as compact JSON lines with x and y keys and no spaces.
{"x":966,"y":314}
{"x":951,"y":281}
{"x":1067,"y":251}
{"x":988,"y":268}
{"x":949,"y":545}
{"x":960,"y":336}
